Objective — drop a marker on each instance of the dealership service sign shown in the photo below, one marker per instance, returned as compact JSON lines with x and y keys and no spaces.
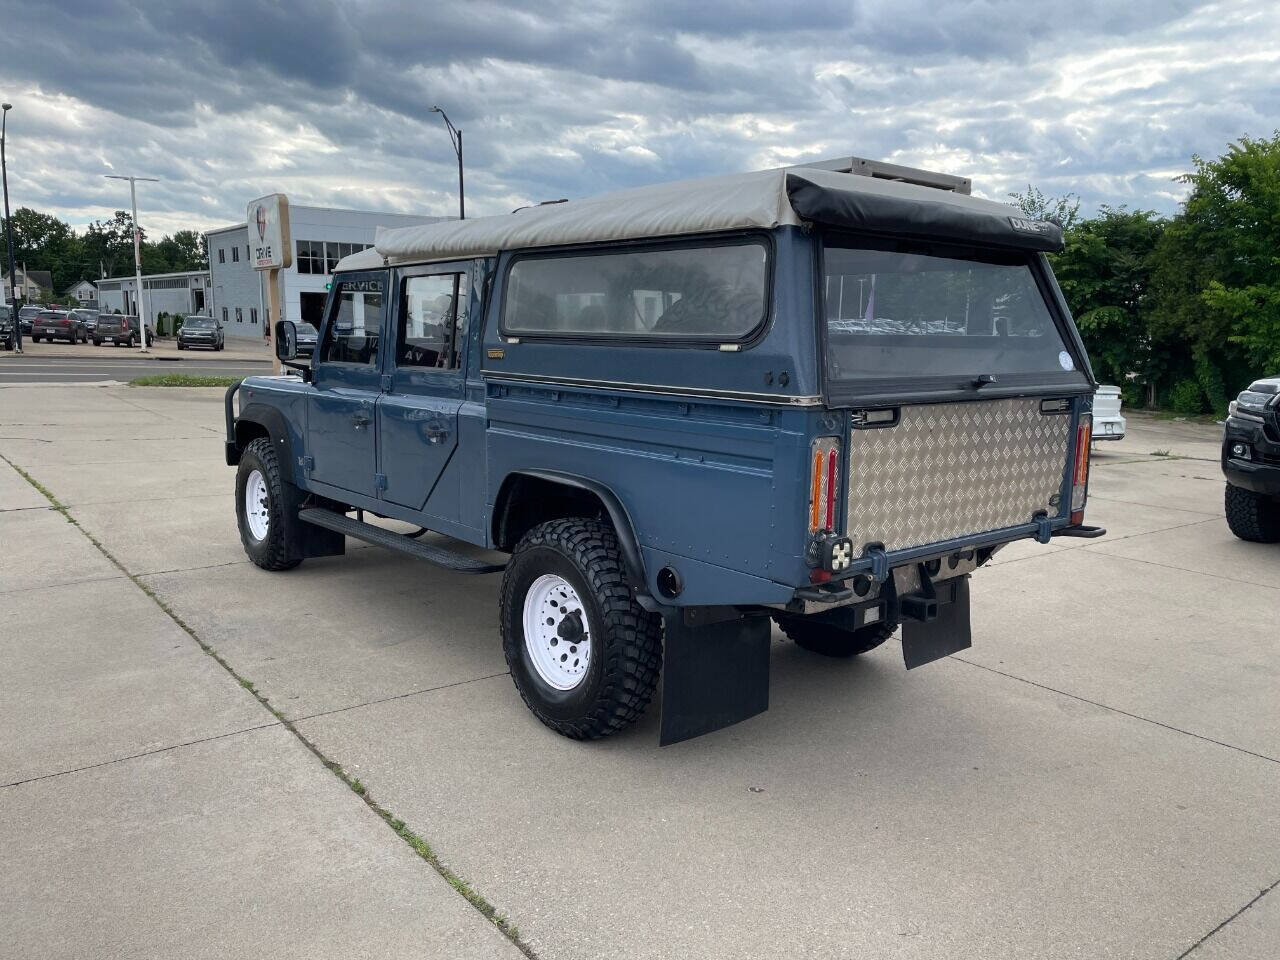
{"x":269,"y":243}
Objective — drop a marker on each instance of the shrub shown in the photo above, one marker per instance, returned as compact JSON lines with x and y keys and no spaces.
{"x":1187,"y":398}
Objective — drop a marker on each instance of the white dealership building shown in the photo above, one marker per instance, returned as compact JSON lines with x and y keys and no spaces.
{"x":321,"y":237}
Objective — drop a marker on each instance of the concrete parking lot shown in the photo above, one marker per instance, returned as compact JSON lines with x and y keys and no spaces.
{"x":1097,"y":777}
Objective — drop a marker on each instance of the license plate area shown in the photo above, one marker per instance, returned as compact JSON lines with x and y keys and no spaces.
{"x":947,"y":633}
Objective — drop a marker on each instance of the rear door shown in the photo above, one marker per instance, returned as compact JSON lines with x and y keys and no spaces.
{"x":418,"y":415}
{"x":346,"y":375}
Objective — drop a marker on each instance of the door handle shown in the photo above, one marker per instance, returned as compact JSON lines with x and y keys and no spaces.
{"x":435,"y":431}
{"x":360,"y":420}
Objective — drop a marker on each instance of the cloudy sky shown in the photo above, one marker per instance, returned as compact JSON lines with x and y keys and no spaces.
{"x":226,"y":100}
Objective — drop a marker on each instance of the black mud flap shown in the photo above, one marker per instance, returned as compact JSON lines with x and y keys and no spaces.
{"x":713,"y":675}
{"x":924,"y":641}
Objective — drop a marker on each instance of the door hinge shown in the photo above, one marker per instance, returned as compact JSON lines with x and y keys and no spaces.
{"x":379,"y":481}
{"x":386,"y":383}
{"x":307,"y":463}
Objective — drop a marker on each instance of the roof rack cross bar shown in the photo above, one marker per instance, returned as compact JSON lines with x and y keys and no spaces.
{"x":880,"y":170}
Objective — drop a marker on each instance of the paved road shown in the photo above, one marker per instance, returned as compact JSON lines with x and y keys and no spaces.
{"x":119,"y":364}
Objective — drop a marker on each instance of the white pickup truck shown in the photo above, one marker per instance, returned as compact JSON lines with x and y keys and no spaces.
{"x":1107,"y":422}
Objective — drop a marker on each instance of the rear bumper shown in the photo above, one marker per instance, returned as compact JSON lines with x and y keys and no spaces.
{"x":1108,"y":427}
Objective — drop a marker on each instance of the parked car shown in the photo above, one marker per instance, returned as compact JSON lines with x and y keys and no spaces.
{"x":7,"y":339}
{"x":1107,"y":422}
{"x":88,"y":318}
{"x":648,"y":401}
{"x":26,"y":315}
{"x":307,"y":335}
{"x":58,"y":325}
{"x":200,"y":331}
{"x":118,"y":328}
{"x":1251,"y":462}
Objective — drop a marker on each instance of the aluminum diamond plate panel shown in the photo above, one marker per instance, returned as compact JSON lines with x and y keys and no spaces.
{"x":954,"y":469}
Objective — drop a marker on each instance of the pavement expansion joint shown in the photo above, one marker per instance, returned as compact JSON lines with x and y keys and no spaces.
{"x":1261,"y":893}
{"x":1123,"y":713}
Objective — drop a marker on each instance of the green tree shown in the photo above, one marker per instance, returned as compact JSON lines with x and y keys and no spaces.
{"x":185,"y":250}
{"x":1105,"y":274}
{"x":108,"y":245}
{"x":1064,"y":210}
{"x":1216,"y":316}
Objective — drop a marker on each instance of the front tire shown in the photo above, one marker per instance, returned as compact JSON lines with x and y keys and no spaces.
{"x":831,"y":641}
{"x":266,"y":529}
{"x":1253,"y":516}
{"x":583,"y":654}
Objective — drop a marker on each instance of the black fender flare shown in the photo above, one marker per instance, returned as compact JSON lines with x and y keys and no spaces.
{"x":271,"y":420}
{"x":618,"y":515}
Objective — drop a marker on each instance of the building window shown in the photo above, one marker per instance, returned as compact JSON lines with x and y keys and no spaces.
{"x":224,"y":309}
{"x":310,"y":256}
{"x":222,"y":255}
{"x":239,"y":314}
{"x":253,"y":314}
{"x":235,"y":254}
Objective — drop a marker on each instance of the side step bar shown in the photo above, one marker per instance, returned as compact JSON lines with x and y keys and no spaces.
{"x":440,"y":556}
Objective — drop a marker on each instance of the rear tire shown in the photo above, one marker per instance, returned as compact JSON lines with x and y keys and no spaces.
{"x":266,"y":530}
{"x":1253,"y":516}
{"x":831,"y":641}
{"x":592,"y":671}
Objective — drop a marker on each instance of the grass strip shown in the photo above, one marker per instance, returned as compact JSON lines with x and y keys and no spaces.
{"x":183,"y":380}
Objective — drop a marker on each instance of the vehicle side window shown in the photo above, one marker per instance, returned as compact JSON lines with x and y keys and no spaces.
{"x":432,"y":325}
{"x":355,"y":323}
{"x":702,"y":291}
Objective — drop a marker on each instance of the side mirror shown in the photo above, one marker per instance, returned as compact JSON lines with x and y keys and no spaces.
{"x":286,"y":340}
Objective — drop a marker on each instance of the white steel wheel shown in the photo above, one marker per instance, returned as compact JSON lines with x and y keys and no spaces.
{"x":557,"y":636}
{"x":257,"y":511}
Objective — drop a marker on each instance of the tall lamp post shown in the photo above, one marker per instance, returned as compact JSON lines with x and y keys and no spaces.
{"x":8,"y":230}
{"x":455,"y":136}
{"x":137,"y":248}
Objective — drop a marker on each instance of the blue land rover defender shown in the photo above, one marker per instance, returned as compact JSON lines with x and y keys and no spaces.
{"x":819,"y":396}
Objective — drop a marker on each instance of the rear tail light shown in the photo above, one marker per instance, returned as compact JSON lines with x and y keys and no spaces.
{"x":1080,"y":476}
{"x":824,"y":483}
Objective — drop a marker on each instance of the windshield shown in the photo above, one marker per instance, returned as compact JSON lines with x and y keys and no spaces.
{"x":305,"y":329}
{"x":902,"y":312}
{"x":201,"y":323}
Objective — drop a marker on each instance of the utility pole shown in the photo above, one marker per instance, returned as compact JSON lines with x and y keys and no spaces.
{"x":455,"y":137}
{"x":8,"y":232}
{"x":137,"y":248}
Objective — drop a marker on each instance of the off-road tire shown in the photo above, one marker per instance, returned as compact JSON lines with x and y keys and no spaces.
{"x":275,"y":550}
{"x":830,"y":641}
{"x":1253,"y":516}
{"x":626,"y":653}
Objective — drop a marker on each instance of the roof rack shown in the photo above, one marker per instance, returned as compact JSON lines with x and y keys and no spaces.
{"x":892,"y":171}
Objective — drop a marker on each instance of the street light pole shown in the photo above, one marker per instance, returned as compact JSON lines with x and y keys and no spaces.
{"x":455,"y":137}
{"x":137,"y":249}
{"x":8,"y":230}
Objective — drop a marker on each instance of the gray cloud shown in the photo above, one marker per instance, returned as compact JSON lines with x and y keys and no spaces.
{"x":329,"y":101}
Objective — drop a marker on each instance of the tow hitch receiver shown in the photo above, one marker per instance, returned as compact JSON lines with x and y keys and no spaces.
{"x":935,"y":622}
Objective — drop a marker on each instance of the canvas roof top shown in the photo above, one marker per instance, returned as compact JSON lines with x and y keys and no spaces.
{"x":760,"y":200}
